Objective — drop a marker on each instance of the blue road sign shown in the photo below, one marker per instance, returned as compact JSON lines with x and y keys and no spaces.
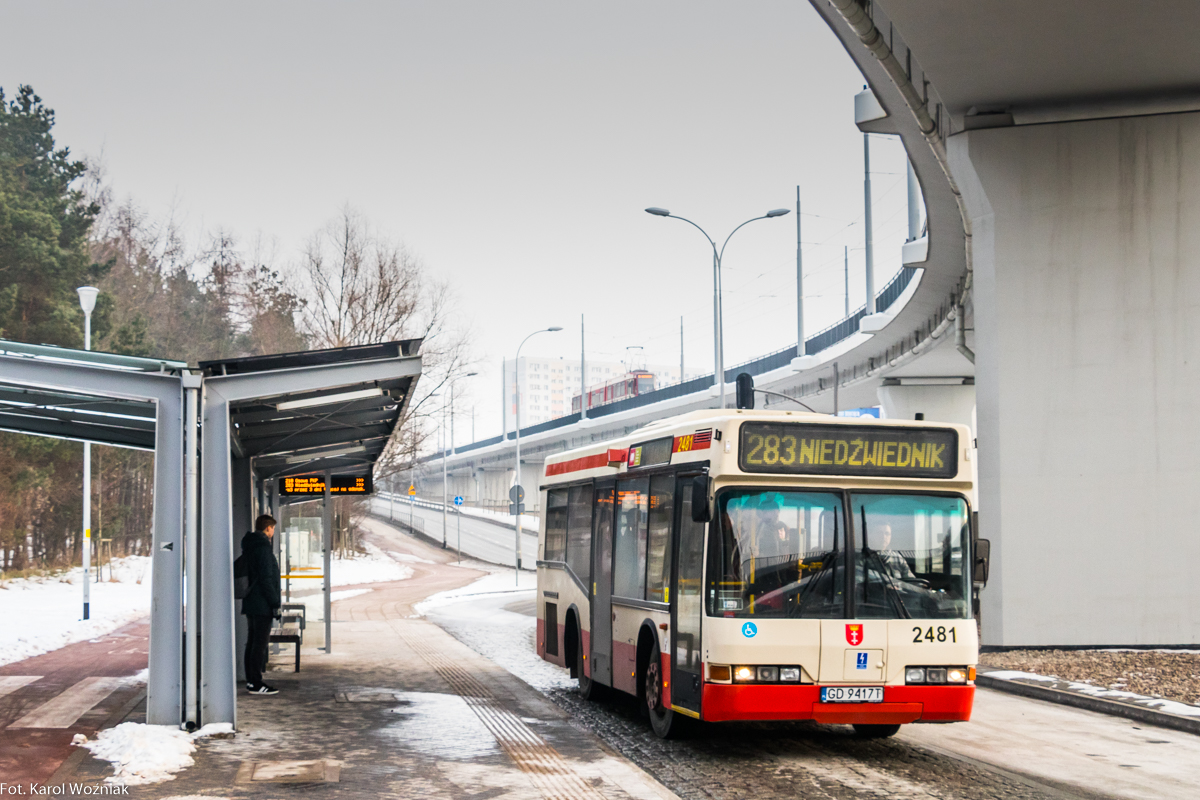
{"x":458,"y":501}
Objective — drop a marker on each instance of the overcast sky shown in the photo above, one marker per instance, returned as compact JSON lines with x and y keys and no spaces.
{"x":512,"y":145}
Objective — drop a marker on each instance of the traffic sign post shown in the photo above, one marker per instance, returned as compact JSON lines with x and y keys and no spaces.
{"x":458,"y":501}
{"x":516,"y":508}
{"x":412,"y":490}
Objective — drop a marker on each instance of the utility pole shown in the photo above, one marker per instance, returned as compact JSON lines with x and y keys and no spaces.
{"x":846,"y":271}
{"x":868,"y":228}
{"x":503,"y":400}
{"x":799,"y":283}
{"x":442,"y":441}
{"x":582,"y":371}
{"x":682,"y":371}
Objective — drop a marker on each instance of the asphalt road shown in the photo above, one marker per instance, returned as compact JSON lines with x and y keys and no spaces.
{"x":481,"y":539}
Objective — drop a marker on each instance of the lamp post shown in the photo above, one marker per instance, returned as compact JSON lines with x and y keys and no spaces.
{"x":87,"y":301}
{"x":445,"y":478}
{"x":517,"y":497}
{"x":718,"y":323}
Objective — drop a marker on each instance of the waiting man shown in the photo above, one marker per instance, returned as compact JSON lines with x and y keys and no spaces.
{"x":261,"y":603}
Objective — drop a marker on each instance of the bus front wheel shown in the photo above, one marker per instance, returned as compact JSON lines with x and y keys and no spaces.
{"x":588,"y":688}
{"x":875,"y":731}
{"x":665,"y":722}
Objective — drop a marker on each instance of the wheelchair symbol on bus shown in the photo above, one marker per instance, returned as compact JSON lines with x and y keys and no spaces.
{"x":749,"y":630}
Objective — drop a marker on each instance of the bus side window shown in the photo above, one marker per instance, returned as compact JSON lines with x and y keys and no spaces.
{"x":579,"y":532}
{"x":658,"y":550}
{"x":555,"y":548}
{"x":629,"y":541}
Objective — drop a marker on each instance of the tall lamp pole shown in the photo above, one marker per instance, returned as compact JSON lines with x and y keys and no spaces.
{"x":517,"y":426}
{"x":87,"y":301}
{"x":445,"y":479}
{"x":718,"y":322}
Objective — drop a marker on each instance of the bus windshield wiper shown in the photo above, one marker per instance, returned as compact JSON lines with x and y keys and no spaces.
{"x":889,"y":588}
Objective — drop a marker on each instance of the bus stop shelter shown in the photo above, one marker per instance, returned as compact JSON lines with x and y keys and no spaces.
{"x":222,"y":433}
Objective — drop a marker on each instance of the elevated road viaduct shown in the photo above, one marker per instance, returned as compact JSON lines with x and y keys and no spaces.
{"x":1058,"y":154}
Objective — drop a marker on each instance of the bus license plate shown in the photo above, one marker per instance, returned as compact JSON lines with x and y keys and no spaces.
{"x":851,"y":694}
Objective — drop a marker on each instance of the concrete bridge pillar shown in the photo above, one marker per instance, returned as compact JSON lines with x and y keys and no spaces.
{"x":936,"y":399}
{"x":1086,"y":241}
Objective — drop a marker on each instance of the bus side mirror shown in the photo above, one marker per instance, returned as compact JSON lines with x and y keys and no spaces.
{"x":701,"y":509}
{"x":983,"y":557}
{"x":745,"y":390}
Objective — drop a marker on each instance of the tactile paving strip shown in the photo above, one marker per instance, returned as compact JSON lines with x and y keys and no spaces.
{"x":546,"y":767}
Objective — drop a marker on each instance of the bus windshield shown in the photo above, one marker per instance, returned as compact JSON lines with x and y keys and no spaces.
{"x":785,"y":554}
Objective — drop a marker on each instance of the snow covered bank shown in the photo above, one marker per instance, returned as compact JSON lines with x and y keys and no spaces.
{"x":374,"y":566}
{"x":44,"y":614}
{"x":142,"y":754}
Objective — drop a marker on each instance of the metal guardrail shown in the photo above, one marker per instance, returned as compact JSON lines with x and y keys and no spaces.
{"x":772,"y":361}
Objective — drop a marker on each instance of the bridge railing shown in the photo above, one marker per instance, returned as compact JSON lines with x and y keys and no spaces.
{"x":763,"y":364}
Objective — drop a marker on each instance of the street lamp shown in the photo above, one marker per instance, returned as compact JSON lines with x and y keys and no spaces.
{"x":87,"y":301}
{"x":516,"y":498}
{"x":718,"y":323}
{"x":451,"y":442}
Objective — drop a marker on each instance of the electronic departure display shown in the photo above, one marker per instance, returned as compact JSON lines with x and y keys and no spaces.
{"x":315,"y":485}
{"x":799,"y":448}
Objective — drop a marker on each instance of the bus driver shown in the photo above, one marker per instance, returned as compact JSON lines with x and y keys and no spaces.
{"x":893,"y":562}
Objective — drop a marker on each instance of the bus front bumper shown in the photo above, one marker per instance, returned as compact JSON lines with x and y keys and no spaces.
{"x":901,"y":704}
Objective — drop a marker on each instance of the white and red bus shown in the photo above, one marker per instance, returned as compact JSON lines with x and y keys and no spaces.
{"x":631,"y":384}
{"x":766,"y":565}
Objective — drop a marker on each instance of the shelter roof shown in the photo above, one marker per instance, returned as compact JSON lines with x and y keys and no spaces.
{"x":343,"y":428}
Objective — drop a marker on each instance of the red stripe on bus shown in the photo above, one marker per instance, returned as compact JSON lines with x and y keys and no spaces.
{"x":901,"y":704}
{"x":586,"y":462}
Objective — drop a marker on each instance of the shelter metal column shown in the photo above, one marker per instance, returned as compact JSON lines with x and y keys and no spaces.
{"x":327,"y":547}
{"x":163,"y":693}
{"x":218,"y":702}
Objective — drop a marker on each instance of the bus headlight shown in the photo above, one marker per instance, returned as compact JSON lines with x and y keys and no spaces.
{"x":768,"y":674}
{"x":935,"y":675}
{"x":914,"y":675}
{"x":791,"y":674}
{"x":956,"y":675}
{"x":743,"y":673}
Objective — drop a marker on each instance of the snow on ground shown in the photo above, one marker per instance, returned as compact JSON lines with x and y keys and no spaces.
{"x":44,"y":614}
{"x":142,"y":754}
{"x":1157,"y":703}
{"x":497,"y":583}
{"x":375,"y":566}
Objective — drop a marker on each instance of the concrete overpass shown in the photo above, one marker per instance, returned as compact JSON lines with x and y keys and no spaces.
{"x":1058,"y":152}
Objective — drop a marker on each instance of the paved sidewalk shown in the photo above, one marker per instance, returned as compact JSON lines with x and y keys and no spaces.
{"x":48,"y":699}
{"x":401,"y":709}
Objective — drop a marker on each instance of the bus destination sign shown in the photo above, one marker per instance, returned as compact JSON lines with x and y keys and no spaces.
{"x":866,"y":450}
{"x":315,"y":485}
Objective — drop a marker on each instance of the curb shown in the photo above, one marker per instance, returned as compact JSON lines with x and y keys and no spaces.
{"x":1100,"y":705}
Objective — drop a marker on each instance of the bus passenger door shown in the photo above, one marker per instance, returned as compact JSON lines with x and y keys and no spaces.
{"x":687,"y":602}
{"x":602,"y":544}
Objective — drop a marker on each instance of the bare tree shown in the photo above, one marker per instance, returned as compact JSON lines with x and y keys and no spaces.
{"x":363,"y":288}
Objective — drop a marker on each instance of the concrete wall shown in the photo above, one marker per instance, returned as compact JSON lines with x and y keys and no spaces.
{"x":1087,"y":317}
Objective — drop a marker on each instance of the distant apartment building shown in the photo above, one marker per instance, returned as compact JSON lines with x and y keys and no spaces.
{"x":548,"y":384}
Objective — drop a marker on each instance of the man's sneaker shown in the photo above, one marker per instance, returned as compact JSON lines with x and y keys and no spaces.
{"x":262,"y":688}
{"x":249,"y":686}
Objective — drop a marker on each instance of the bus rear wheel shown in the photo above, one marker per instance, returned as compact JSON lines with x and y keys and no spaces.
{"x":875,"y":731}
{"x":665,"y":722}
